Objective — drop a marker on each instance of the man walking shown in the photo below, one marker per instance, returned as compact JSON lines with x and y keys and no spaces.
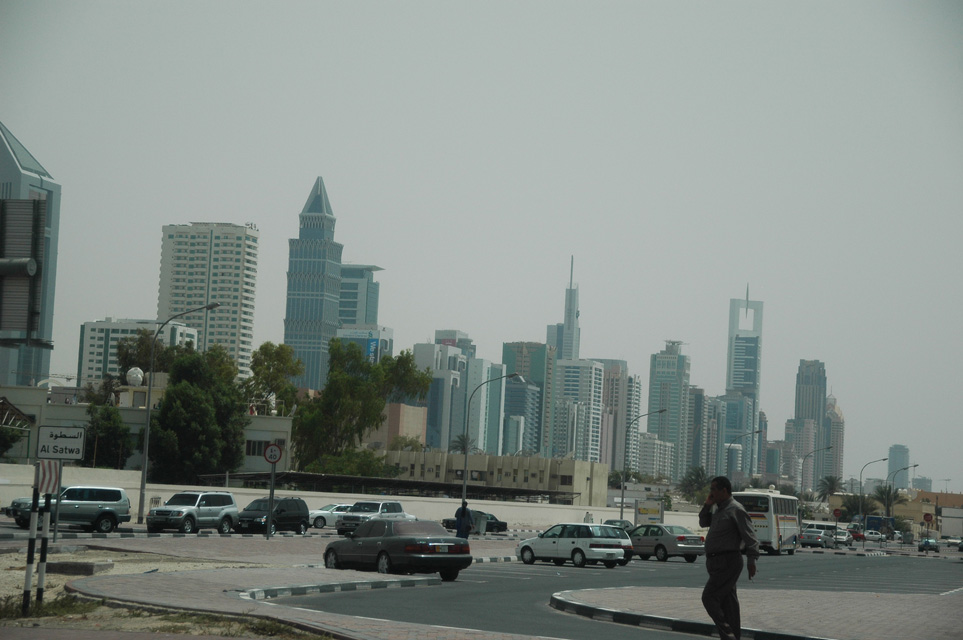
{"x":463,"y":520}
{"x":730,"y":531}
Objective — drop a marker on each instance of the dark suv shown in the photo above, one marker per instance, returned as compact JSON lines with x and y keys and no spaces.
{"x":290,"y":514}
{"x":189,"y":511}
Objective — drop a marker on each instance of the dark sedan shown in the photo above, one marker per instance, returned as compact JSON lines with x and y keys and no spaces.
{"x":492,"y":523}
{"x":403,"y":546}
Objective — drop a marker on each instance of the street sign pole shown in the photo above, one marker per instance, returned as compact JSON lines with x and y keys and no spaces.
{"x":272,"y":453}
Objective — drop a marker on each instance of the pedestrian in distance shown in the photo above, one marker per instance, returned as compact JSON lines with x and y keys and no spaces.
{"x":730,"y":535}
{"x":463,"y":520}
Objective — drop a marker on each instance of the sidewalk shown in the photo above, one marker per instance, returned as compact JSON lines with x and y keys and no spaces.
{"x":781,"y":615}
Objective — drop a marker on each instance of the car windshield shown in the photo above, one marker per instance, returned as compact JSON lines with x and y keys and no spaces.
{"x":261,"y":504}
{"x":364,"y":507}
{"x":420,"y":528}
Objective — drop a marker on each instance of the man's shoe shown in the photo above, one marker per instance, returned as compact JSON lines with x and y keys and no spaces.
{"x":726,"y":632}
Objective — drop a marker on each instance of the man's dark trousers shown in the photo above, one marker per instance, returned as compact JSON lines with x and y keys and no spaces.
{"x":719,"y":595}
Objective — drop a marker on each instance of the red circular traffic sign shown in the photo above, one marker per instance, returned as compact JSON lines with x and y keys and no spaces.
{"x":928,"y":517}
{"x":272,"y":453}
{"x":837,"y":512}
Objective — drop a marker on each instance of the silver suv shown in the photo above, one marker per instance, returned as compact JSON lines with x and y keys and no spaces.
{"x":100,"y":509}
{"x":370,"y":509}
{"x":189,"y":511}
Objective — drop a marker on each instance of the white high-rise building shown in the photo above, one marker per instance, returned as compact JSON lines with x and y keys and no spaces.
{"x":99,"y":338}
{"x":577,"y":428}
{"x":207,"y":262}
{"x":669,"y":393}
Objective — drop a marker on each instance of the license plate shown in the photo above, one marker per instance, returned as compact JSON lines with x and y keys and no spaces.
{"x":442,"y":548}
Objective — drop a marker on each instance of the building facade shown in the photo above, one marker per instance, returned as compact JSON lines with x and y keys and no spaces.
{"x":26,"y":339}
{"x":208,"y":262}
{"x":744,"y":365}
{"x":577,"y":427}
{"x":565,"y":337}
{"x":811,"y":405}
{"x":375,"y":342}
{"x":669,"y":390}
{"x":899,"y":459}
{"x":535,"y":361}
{"x":99,"y":338}
{"x":358,"y":302}
{"x":312,"y":312}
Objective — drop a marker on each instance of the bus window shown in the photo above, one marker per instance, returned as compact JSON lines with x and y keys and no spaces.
{"x":755,"y":504}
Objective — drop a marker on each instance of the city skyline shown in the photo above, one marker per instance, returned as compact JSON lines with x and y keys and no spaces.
{"x":678,"y":152}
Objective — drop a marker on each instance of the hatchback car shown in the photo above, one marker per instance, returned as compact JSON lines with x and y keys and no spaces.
{"x":580,"y":543}
{"x":404,"y":546}
{"x":928,"y":544}
{"x":189,"y":511}
{"x":319,"y":518}
{"x":290,"y":514}
{"x":817,"y":538}
{"x":665,"y":541}
{"x":871,"y":535}
{"x":844,"y":537}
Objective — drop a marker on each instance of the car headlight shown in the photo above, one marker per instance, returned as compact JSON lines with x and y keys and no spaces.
{"x":261,"y":520}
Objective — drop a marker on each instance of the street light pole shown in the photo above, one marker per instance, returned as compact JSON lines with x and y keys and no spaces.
{"x":893,"y":476}
{"x":862,"y":516}
{"x":624,"y":470}
{"x":803,"y":465}
{"x":736,"y":439}
{"x":464,"y":479}
{"x":150,"y":384}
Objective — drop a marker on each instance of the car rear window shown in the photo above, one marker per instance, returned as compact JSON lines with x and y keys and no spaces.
{"x":604,"y":531}
{"x":420,"y":528}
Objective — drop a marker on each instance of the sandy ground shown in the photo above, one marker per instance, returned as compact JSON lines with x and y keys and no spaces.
{"x":12,"y":573}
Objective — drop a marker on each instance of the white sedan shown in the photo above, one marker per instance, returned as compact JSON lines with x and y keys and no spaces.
{"x":874,"y":536}
{"x":579,"y":543}
{"x":328,"y":513}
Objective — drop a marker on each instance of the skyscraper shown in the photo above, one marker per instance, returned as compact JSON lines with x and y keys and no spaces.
{"x":206,"y":262}
{"x":314,"y":288}
{"x":25,"y":342}
{"x":744,"y":364}
{"x":615,"y":397}
{"x":358,"y":303}
{"x":577,"y":428}
{"x":811,"y":405}
{"x":565,"y":336}
{"x":98,"y":345}
{"x":836,"y":425}
{"x":899,"y":459}
{"x":535,"y":362}
{"x":669,"y":390}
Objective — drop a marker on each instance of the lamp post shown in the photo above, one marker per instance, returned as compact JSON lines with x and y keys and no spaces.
{"x":464,"y":478}
{"x":734,"y":440}
{"x":630,"y":423}
{"x":862,"y":516}
{"x":803,"y":465}
{"x":150,"y":384}
{"x":893,"y":476}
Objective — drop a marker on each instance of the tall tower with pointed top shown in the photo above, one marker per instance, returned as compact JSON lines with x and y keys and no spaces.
{"x":314,"y":288}
{"x":565,"y":336}
{"x":32,"y":232}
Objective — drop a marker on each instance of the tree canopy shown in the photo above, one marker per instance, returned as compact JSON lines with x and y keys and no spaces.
{"x":135,"y":352}
{"x":272,"y":368}
{"x":353,"y":401}
{"x":828,"y":486}
{"x":108,"y":442}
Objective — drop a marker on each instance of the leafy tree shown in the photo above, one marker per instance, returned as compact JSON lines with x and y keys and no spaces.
{"x":362,"y":462}
{"x":8,"y":438}
{"x":135,"y":352}
{"x":200,"y":426}
{"x":272,"y":367}
{"x":108,"y":439}
{"x":694,"y":480}
{"x":102,"y":392}
{"x":353,"y":400}
{"x":851,"y":505}
{"x":405,"y":443}
{"x":828,"y":486}
{"x":788,"y":490}
{"x":888,"y":497}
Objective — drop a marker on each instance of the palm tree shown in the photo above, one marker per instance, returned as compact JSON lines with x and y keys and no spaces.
{"x":888,"y":497}
{"x":851,"y":506}
{"x":462,"y":444}
{"x":693,"y":481}
{"x":828,"y":486}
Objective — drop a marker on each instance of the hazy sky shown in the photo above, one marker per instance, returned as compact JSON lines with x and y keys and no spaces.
{"x":679,"y":150}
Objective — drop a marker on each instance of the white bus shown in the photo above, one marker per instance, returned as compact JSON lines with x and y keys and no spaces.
{"x":775,"y":518}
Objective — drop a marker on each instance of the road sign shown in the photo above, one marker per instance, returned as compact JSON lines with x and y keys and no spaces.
{"x":272,"y":453}
{"x":928,"y":517}
{"x":60,"y":443}
{"x":837,"y":512}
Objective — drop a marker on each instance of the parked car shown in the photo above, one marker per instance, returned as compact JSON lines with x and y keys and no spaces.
{"x":319,"y":518}
{"x":857,"y":534}
{"x":19,"y":510}
{"x":624,"y":524}
{"x":580,"y":543}
{"x":928,"y":544}
{"x":367,"y":509}
{"x":290,"y":514}
{"x":406,"y":546}
{"x":665,"y":541}
{"x":872,"y":535}
{"x":491,"y":522}
{"x":950,"y":541}
{"x":817,"y":538}
{"x":189,"y":511}
{"x":844,"y":537}
{"x":99,"y":509}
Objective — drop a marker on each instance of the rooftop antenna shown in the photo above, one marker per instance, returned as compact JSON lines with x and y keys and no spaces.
{"x":571,"y":273}
{"x":747,"y":299}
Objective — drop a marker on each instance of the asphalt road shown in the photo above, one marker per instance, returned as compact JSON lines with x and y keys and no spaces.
{"x":513,"y":598}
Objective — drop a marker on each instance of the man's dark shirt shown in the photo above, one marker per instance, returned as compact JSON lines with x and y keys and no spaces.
{"x":729,"y":528}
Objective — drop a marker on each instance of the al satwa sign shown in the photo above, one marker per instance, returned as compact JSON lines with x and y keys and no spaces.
{"x":60,"y":443}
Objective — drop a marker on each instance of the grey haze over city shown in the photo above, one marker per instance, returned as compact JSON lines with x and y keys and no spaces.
{"x":679,"y":151}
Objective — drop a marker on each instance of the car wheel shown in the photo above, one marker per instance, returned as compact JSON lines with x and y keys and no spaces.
{"x":448,"y":575}
{"x":690,"y":558}
{"x":331,"y":560}
{"x":104,"y":524}
{"x":624,"y":561}
{"x":644,"y":556}
{"x":319,"y":522}
{"x":528,"y":556}
{"x":559,"y":561}
{"x":23,"y":524}
{"x":187,"y":526}
{"x":224,"y":526}
{"x":274,"y":529}
{"x":578,"y":558}
{"x":790,"y":552}
{"x":384,"y":563}
{"x":302,"y":527}
{"x":661,"y":554}
{"x":611,"y":564}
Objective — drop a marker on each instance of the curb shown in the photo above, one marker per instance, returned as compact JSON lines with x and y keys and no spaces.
{"x":368,"y":585}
